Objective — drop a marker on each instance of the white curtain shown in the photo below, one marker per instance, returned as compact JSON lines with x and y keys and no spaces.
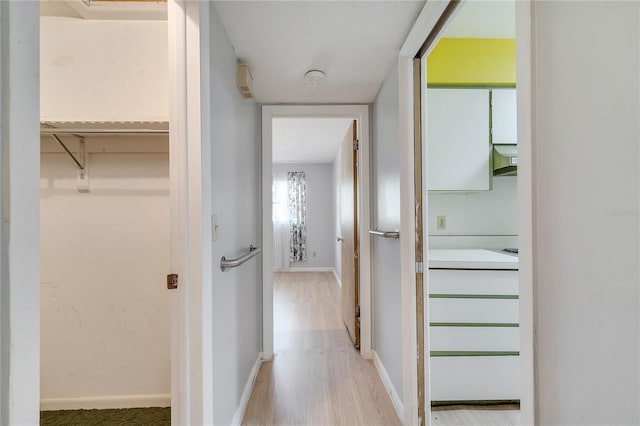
{"x":281,"y":230}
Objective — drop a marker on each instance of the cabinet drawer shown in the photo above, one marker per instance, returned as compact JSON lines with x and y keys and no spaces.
{"x":475,"y":378}
{"x":502,"y":339}
{"x":473,"y":310}
{"x":443,"y":281}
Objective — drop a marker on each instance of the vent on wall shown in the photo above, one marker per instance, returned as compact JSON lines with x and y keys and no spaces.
{"x":244,"y":81}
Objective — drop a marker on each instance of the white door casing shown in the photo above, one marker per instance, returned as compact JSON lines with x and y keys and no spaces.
{"x":20,"y":206}
{"x":425,"y":24}
{"x":190,"y":180}
{"x":361,"y":114}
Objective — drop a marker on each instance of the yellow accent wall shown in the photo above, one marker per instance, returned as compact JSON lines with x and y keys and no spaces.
{"x":473,"y":61}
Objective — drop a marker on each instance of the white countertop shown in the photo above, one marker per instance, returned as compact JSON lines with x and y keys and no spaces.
{"x":471,"y":259}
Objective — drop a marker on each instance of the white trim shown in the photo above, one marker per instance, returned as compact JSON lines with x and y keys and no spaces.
{"x":105,"y":402}
{"x":316,"y":269}
{"x":425,"y":23}
{"x":391,"y":390}
{"x":20,"y":206}
{"x":312,"y":269}
{"x":429,"y":16}
{"x":190,"y":194}
{"x":361,"y":114}
{"x":335,"y":274}
{"x":407,"y":244}
{"x":246,"y":394}
{"x":525,"y":105}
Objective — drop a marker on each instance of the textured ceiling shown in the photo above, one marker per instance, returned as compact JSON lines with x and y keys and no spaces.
{"x":484,"y":19}
{"x":307,"y":140}
{"x":354,"y":42}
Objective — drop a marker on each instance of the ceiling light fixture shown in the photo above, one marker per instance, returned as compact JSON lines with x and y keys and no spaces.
{"x":314,"y":77}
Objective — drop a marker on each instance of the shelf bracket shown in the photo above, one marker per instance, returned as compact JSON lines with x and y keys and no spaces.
{"x":81,"y":161}
{"x":80,"y":165}
{"x":83,"y":173}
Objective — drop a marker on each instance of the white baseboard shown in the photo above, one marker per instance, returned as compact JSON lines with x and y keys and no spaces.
{"x":335,"y":274}
{"x":246,"y":394}
{"x":313,"y":269}
{"x":395,"y":398}
{"x":105,"y":402}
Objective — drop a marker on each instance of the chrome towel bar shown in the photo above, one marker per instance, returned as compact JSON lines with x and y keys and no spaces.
{"x":386,"y":234}
{"x":232,"y":263}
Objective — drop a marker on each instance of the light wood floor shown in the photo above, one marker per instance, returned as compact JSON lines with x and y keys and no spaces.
{"x":317,"y":377}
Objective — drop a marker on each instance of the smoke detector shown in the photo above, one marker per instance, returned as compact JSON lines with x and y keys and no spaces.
{"x":314,"y":77}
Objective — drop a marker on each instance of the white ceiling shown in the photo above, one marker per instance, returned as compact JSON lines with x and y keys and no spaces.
{"x":354,"y":42}
{"x":484,"y":19}
{"x":307,"y":140}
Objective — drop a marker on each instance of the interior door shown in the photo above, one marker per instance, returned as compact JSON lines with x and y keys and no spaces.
{"x":349,"y":229}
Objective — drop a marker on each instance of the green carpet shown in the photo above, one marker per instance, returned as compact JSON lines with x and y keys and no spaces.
{"x":125,"y":416}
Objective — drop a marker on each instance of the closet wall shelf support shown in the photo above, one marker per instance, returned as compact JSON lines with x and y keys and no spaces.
{"x":81,"y":165}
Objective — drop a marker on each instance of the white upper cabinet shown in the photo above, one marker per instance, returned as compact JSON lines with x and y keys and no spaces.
{"x":503,"y":116}
{"x":458,"y":146}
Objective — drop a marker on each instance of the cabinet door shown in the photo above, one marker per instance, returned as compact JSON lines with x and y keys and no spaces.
{"x":458,"y":146}
{"x":504,"y":116}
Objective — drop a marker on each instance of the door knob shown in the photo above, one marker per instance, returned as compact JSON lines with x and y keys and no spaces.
{"x":339,"y":239}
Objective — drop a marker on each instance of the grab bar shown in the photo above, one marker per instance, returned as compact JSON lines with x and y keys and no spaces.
{"x":232,"y":263}
{"x":386,"y":234}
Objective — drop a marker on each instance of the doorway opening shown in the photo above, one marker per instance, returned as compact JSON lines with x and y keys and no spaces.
{"x":105,"y":219}
{"x":310,"y":336}
{"x":291,"y":246}
{"x":466,"y":163}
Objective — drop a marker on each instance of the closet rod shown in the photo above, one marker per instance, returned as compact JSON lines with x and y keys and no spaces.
{"x":63,"y":131}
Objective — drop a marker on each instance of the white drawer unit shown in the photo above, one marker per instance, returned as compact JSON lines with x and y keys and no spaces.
{"x":473,"y":310}
{"x":474,"y":335}
{"x":464,"y":281}
{"x":503,"y":339}
{"x":475,"y":378}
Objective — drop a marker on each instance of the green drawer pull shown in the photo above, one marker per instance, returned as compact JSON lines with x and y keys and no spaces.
{"x":475,"y":296}
{"x":474,"y":324}
{"x":473,"y":353}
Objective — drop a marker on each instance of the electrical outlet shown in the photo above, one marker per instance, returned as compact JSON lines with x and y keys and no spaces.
{"x":315,"y":254}
{"x":442,"y":223}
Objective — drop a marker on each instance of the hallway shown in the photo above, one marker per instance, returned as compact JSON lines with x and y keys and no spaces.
{"x":317,"y":376}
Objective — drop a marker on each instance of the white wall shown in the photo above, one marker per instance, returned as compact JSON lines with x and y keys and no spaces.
{"x":236,"y":192}
{"x":336,"y":173}
{"x":484,"y":219}
{"x":320,"y":214}
{"x":95,"y":70}
{"x":477,"y":213}
{"x":385,"y":260}
{"x":586,"y":202}
{"x":105,"y":325}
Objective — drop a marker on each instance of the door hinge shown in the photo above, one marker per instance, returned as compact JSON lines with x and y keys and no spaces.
{"x":358,"y":311}
{"x":356,"y":145}
{"x":172,"y":281}
{"x":419,"y":268}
